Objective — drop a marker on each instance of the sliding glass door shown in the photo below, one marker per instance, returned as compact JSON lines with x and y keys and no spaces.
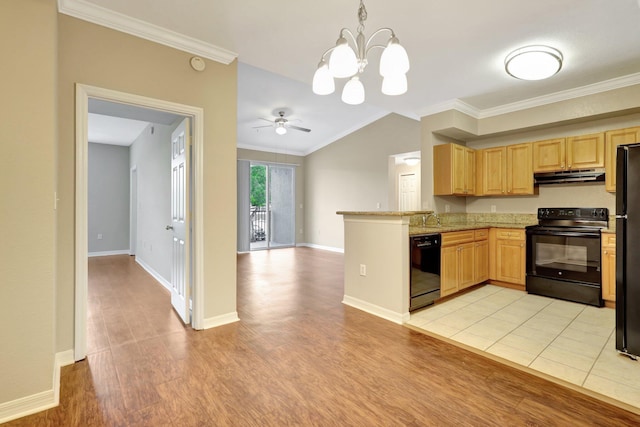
{"x":272,"y":210}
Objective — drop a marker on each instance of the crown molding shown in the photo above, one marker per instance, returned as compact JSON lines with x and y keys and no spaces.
{"x":453,"y":104}
{"x":86,"y":11}
{"x":565,"y":95}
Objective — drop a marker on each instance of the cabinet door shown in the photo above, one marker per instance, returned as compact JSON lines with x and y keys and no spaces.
{"x":609,"y":274}
{"x":459,"y":175}
{"x":448,"y":270}
{"x":549,"y":155}
{"x":494,"y":169}
{"x":519,"y":169}
{"x":612,"y":140}
{"x":510,"y":261}
{"x":466,"y":257}
{"x":609,"y":266}
{"x":586,"y":151}
{"x":469,"y":171}
{"x":481,"y":260}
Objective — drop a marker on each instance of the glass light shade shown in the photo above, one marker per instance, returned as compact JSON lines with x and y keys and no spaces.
{"x":343,"y":61}
{"x":353,"y":92}
{"x":533,"y":62}
{"x":412,"y":161}
{"x":394,"y":59}
{"x":280,"y":129}
{"x":323,"y":83}
{"x":394,"y":85}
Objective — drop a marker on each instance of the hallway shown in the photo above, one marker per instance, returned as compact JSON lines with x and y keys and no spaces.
{"x":297,"y":357}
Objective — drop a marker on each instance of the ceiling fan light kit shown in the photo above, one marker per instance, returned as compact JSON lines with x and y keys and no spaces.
{"x":345,"y":62}
{"x":534,"y":62}
{"x":281,"y":124}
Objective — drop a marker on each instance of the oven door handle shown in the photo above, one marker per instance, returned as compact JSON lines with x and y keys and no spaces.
{"x":588,"y":235}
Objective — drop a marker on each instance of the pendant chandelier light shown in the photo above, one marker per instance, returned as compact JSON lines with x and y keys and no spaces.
{"x":346,"y":62}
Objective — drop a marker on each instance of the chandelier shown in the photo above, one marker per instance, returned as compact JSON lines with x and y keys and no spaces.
{"x":347,"y":62}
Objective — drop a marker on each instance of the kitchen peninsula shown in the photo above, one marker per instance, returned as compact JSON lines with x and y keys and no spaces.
{"x":376,"y":254}
{"x":376,"y":262}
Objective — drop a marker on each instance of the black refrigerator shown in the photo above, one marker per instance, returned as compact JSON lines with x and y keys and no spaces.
{"x":628,"y":250}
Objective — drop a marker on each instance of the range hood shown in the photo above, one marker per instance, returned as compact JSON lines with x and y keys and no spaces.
{"x":567,"y":177}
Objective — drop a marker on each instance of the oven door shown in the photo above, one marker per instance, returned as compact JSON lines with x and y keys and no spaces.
{"x":564,"y":253}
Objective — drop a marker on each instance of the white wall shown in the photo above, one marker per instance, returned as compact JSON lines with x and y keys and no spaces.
{"x":151,"y":156}
{"x":108,"y":198}
{"x":352,"y":175}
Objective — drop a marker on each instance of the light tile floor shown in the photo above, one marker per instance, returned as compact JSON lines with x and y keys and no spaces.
{"x":569,"y":341}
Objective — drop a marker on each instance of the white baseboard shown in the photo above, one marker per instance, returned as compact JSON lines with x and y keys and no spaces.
{"x":223,"y":319}
{"x":324,"y":248}
{"x":376,"y":310}
{"x":40,"y":401}
{"x":164,"y":282}
{"x":109,"y":253}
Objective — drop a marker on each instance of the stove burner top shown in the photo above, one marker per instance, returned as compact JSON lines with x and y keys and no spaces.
{"x":573,"y":217}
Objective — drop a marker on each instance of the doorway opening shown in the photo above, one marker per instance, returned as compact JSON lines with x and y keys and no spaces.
{"x":272,"y":206}
{"x":83,"y":94}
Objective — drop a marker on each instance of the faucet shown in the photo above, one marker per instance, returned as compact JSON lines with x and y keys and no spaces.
{"x":427,"y":216}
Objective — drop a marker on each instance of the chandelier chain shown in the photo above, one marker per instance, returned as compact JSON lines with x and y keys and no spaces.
{"x":362,"y":16}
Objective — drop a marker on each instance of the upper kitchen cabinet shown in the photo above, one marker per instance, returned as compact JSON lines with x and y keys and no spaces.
{"x":575,"y":152}
{"x":614,"y":138}
{"x":505,"y":171}
{"x":549,"y":155}
{"x":454,"y":169}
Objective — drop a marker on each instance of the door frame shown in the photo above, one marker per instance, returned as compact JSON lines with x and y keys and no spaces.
{"x":133,"y":210}
{"x":83,"y":93}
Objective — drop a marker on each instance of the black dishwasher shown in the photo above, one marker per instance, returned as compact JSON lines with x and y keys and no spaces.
{"x":425,"y":270}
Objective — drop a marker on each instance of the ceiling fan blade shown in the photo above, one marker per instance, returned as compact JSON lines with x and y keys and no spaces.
{"x":268,"y":120}
{"x":265,"y":126}
{"x":299,"y":128}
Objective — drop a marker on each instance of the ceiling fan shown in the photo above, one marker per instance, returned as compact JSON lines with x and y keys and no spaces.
{"x":281,"y":124}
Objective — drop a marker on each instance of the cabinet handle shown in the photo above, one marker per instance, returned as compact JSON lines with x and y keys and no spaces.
{"x":606,"y":252}
{"x":522,"y":245}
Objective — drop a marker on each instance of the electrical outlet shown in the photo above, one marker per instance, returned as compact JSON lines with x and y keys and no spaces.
{"x":363,"y":270}
{"x":100,"y":236}
{"x":447,"y":208}
{"x":493,"y":208}
{"x":378,"y":205}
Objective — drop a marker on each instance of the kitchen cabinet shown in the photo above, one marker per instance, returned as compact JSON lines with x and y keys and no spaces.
{"x":481,"y":256}
{"x":463,"y":260}
{"x":614,"y":138}
{"x":506,"y":170}
{"x":575,"y":152}
{"x":509,"y":255}
{"x":609,"y":267}
{"x":454,"y":169}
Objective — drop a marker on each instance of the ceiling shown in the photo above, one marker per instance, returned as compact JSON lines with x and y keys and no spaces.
{"x":456,"y":48}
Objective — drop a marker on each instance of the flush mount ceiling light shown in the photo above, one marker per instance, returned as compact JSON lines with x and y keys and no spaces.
{"x":533,"y":62}
{"x":346,"y":61}
{"x":412,"y":161}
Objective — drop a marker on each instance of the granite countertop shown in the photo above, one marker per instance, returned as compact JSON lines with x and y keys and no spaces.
{"x":384,"y":213}
{"x":461,"y":227}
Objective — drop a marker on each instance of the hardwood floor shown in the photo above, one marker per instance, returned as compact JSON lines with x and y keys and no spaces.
{"x":297,"y":357}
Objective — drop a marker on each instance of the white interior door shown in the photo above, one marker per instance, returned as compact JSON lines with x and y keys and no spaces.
{"x":180,"y":213}
{"x":408,"y":192}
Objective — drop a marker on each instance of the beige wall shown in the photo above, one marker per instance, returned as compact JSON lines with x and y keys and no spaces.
{"x":589,"y":114}
{"x":352,"y":175}
{"x":97,"y":56}
{"x":268,"y":157}
{"x":27,"y":253}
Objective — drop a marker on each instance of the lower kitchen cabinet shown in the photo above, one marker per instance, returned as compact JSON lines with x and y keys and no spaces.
{"x":509,"y":263}
{"x":609,"y":267}
{"x":463,"y":260}
{"x":481,"y":260}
